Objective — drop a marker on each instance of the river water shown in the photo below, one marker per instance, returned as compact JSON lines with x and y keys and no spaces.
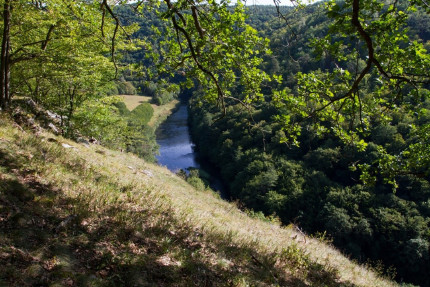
{"x":176,"y":147}
{"x":177,"y":150}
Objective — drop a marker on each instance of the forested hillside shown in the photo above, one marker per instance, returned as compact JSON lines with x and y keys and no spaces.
{"x":370,"y":190}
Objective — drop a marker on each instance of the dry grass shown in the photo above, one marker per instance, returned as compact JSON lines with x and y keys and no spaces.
{"x":136,"y":224}
{"x":132,"y":101}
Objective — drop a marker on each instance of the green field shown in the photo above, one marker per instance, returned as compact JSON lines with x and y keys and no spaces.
{"x":160,"y":112}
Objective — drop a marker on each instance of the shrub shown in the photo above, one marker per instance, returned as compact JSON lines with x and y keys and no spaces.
{"x":126,"y":88}
{"x":141,"y":115}
{"x":196,"y":182}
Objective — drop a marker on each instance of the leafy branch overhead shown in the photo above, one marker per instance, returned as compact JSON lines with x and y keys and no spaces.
{"x":206,"y":41}
{"x":294,"y":136}
{"x":377,"y":67}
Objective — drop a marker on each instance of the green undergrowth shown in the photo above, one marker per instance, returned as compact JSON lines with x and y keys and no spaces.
{"x":89,"y":216}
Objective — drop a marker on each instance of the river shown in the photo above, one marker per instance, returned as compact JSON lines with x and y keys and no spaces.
{"x":176,"y":147}
{"x":177,"y":150}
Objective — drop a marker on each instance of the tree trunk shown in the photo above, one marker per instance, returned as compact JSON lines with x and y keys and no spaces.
{"x":5,"y":57}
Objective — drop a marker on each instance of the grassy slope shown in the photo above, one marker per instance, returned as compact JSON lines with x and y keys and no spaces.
{"x":88,"y":216}
{"x":160,"y":112}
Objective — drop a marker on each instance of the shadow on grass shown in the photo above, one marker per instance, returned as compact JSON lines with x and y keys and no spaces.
{"x":47,"y":239}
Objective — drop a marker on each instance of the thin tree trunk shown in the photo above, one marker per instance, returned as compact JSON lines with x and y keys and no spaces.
{"x":71,"y":92}
{"x":7,"y":72}
{"x":5,"y":58}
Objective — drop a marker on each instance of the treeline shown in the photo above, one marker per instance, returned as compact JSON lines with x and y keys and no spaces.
{"x":318,"y":185}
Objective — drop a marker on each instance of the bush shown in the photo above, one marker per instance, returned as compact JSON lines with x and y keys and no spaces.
{"x":141,"y":115}
{"x":122,"y":108}
{"x":100,"y":119}
{"x":163,"y":97}
{"x":126,"y":88}
{"x":160,"y":93}
{"x":196,"y":182}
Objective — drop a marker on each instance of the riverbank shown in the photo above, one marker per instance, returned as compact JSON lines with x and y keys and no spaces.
{"x":161,"y":113}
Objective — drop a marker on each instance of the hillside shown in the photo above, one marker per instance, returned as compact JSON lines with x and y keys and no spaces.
{"x":81,"y":215}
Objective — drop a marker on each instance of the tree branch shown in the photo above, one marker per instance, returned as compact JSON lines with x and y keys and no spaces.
{"x":196,"y":22}
{"x":117,"y":26}
{"x":48,"y":37}
{"x":194,"y":55}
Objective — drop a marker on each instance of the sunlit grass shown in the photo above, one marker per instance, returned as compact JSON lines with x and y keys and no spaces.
{"x":132,"y":101}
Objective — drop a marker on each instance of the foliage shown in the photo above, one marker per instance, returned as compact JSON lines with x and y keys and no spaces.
{"x":101,"y":119}
{"x":333,"y":170}
{"x":139,"y":137}
{"x":368,"y":42}
{"x":161,"y":93}
{"x":324,"y":149}
{"x":57,"y":56}
{"x":196,"y":182}
{"x":142,"y":142}
{"x":126,"y":88}
{"x":122,"y":108}
{"x":141,"y":115}
{"x":214,"y":46}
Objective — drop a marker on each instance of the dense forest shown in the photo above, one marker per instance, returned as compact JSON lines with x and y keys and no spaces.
{"x":318,"y":184}
{"x":318,"y":114}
